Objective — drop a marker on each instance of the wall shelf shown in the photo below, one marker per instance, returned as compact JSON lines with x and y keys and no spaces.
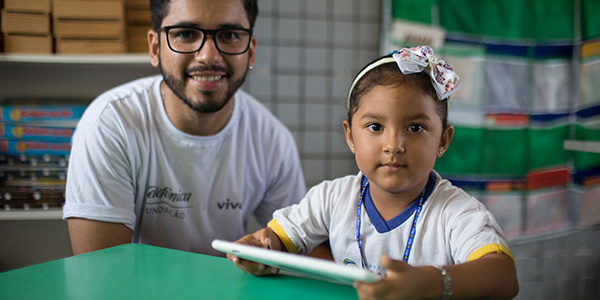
{"x":68,"y":76}
{"x":137,"y":58}
{"x":56,"y":76}
{"x":583,"y":146}
{"x":33,"y":214}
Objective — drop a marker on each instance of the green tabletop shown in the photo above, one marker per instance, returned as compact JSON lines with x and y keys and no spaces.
{"x":135,"y":271}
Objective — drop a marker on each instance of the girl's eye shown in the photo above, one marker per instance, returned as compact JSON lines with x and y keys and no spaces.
{"x":415,"y":128}
{"x":375,"y":127}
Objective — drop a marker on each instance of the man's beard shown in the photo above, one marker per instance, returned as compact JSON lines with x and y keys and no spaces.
{"x":211,"y":105}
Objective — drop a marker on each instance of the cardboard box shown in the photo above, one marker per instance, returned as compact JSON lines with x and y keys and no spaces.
{"x":29,"y":6}
{"x":138,"y":38}
{"x":27,"y":44}
{"x":25,"y":23}
{"x":139,"y":17}
{"x":88,"y":10}
{"x":86,"y":46}
{"x":17,"y":147}
{"x":137,"y":4}
{"x":89,"y":29}
{"x":37,"y":133}
{"x":49,"y":114}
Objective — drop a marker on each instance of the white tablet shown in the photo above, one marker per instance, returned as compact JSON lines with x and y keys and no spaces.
{"x":297,"y":264}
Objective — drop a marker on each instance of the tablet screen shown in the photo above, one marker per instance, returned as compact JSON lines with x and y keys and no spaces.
{"x":297,"y":264}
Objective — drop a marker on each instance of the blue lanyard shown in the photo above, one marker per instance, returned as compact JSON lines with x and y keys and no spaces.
{"x":413,"y":229}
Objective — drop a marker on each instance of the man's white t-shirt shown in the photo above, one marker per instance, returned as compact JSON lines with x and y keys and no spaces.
{"x":130,"y":165}
{"x":452,"y":227}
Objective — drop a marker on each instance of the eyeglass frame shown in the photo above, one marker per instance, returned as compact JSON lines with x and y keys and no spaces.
{"x":205,"y":33}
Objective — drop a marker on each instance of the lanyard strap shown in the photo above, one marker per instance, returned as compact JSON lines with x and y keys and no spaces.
{"x":413,"y":229}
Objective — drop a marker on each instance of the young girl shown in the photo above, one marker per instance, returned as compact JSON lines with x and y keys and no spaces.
{"x":398,"y":217}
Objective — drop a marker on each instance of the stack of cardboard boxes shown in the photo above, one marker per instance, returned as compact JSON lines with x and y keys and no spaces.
{"x":139,"y":22}
{"x":75,"y":26}
{"x":89,"y":26}
{"x":26,"y":26}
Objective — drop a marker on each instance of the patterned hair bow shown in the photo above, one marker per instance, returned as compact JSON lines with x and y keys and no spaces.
{"x":419,"y":59}
{"x":416,"y":60}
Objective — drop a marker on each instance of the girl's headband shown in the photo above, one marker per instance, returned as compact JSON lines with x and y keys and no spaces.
{"x":416,"y":60}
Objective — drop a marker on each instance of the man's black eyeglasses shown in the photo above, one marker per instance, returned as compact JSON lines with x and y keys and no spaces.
{"x":185,"y":39}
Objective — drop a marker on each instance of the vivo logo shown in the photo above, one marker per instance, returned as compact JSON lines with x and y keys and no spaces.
{"x":229,"y":205}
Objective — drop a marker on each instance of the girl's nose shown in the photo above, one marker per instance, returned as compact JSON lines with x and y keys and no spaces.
{"x":394,"y":143}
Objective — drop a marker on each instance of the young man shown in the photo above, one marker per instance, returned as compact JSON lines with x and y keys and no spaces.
{"x":180,"y":159}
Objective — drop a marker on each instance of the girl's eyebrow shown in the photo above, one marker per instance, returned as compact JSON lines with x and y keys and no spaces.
{"x":370,"y":115}
{"x":417,"y":116}
{"x":420,"y":116}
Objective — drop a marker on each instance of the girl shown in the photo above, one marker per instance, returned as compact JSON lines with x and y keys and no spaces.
{"x":398,"y":217}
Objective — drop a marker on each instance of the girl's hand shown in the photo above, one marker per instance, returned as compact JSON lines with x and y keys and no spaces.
{"x":264,"y":238}
{"x":402,"y":282}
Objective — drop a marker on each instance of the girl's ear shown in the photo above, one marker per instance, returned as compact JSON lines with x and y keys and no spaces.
{"x":445,"y":141}
{"x":348,"y":134}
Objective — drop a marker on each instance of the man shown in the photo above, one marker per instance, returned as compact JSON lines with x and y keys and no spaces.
{"x":181,"y":159}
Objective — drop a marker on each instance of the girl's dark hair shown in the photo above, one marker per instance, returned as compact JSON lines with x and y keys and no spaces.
{"x":160,"y":8}
{"x":389,"y":74}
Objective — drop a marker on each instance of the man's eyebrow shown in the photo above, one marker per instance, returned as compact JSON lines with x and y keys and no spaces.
{"x":231,"y":26}
{"x":186,"y":24}
{"x":222,"y":26}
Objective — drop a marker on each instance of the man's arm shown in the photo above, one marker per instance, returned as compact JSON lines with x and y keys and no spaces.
{"x":90,"y":235}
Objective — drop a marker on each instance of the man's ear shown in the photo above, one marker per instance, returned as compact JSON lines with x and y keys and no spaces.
{"x":348,"y":134}
{"x":153,"y":49}
{"x":252,"y":51}
{"x":446,"y":138}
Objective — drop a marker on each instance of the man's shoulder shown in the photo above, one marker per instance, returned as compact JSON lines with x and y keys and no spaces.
{"x":136,"y":93}
{"x":139,"y":86}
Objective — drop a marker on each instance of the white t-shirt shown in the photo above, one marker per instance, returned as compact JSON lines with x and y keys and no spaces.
{"x":452,"y":227}
{"x":130,"y":165}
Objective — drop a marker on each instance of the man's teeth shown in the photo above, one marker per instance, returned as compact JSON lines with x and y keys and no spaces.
{"x":206,"y":78}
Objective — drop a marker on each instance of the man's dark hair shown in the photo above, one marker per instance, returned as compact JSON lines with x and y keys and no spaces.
{"x":160,"y":8}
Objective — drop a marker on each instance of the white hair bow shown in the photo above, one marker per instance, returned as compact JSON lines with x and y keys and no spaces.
{"x":419,"y":59}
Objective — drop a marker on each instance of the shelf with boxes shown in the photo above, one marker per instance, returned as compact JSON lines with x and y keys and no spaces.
{"x":75,"y":26}
{"x":32,"y":169}
{"x":34,"y":153}
{"x":126,"y":58}
{"x":35,"y":142}
{"x":32,"y":179}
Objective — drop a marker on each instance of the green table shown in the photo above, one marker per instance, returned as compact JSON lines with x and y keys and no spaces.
{"x":135,"y":271}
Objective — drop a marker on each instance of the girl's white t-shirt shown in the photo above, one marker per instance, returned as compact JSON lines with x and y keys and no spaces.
{"x":453,"y":227}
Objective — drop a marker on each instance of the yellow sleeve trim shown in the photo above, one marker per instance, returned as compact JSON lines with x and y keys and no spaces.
{"x":282,"y":236}
{"x":487,"y":249}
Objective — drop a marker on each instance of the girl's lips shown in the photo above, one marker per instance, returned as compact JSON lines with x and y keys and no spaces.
{"x":393,"y":166}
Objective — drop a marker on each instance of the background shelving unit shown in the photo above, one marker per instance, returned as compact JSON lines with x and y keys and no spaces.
{"x":31,"y":215}
{"x":71,"y":76}
{"x":36,"y":235}
{"x":76,"y":59}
